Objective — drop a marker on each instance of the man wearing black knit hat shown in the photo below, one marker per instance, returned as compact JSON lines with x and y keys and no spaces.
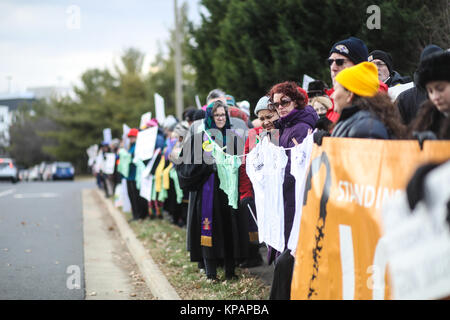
{"x":386,"y":72}
{"x":344,"y":54}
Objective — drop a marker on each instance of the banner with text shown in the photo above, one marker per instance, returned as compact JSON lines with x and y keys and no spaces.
{"x":341,"y":224}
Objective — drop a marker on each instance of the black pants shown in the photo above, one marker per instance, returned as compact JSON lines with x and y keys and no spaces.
{"x":139,"y":205}
{"x":211,"y":267}
{"x":282,"y":277}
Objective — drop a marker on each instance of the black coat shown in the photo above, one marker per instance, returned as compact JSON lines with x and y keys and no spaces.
{"x":409,"y":102}
{"x":395,"y":79}
{"x":227,"y":237}
{"x":357,"y":123}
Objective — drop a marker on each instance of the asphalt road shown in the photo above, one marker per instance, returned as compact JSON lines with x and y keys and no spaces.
{"x":41,"y":240}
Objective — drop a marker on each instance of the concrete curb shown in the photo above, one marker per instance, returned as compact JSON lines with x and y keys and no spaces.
{"x":155,"y":279}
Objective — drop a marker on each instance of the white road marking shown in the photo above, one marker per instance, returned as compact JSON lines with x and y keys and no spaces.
{"x":6,"y":192}
{"x":35,"y":195}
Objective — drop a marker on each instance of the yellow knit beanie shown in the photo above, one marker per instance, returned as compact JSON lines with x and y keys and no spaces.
{"x":361,"y":79}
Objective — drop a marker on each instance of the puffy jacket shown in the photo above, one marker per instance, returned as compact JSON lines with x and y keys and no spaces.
{"x":357,"y":123}
{"x":295,"y":125}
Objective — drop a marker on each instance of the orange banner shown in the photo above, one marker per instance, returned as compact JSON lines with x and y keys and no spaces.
{"x":348,"y":181}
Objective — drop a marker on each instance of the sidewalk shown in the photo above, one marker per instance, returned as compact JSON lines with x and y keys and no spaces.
{"x":155,"y":279}
{"x":109,"y":270}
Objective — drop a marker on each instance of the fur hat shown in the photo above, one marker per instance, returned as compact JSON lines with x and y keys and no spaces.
{"x":435,"y":67}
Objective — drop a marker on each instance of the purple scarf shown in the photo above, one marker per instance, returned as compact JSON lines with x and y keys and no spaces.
{"x":207,"y":212}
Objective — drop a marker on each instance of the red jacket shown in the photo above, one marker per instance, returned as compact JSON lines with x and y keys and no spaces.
{"x":245,"y":185}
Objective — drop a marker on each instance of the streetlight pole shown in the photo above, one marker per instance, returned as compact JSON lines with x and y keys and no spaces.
{"x":178,"y":71}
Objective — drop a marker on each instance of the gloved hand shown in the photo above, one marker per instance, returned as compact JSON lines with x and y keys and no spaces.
{"x":318,"y":136}
{"x":423,"y":135}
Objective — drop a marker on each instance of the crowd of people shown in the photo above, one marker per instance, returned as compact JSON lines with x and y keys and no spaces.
{"x":208,"y":187}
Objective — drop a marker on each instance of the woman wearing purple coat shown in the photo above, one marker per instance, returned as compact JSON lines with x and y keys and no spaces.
{"x":296,"y":118}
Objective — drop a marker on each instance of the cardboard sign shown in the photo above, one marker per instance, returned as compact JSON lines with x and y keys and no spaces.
{"x":339,"y":245}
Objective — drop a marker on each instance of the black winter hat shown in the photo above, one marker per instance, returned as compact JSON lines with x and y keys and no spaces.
{"x":435,"y":67}
{"x":353,"y":48}
{"x":430,"y":49}
{"x":383,"y":56}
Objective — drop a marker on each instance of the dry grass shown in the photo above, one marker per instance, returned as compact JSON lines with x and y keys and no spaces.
{"x":167,"y":245}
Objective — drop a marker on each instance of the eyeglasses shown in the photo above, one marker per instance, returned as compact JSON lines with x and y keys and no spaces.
{"x":379,"y":64}
{"x":276,"y":105}
{"x":339,"y":62}
{"x":222,"y":115}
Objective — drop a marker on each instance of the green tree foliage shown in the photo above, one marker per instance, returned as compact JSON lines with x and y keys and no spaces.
{"x":244,"y":47}
{"x":104,"y":100}
{"x":29,"y":134}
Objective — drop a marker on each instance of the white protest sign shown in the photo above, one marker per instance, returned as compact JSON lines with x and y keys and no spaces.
{"x":197,"y":102}
{"x":98,"y":163}
{"x":126,"y":141}
{"x":146,"y":117}
{"x":159,"y":108}
{"x":306,"y":81}
{"x":145,"y":143}
{"x":146,"y":187}
{"x":92,"y":153}
{"x":151,"y":163}
{"x":109,"y":163}
{"x":107,"y":136}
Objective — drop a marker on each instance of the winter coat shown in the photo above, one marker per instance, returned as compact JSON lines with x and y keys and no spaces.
{"x":395,"y":78}
{"x":226,"y":237}
{"x":245,"y":185}
{"x":429,"y":118}
{"x":357,"y":123}
{"x":295,"y":125}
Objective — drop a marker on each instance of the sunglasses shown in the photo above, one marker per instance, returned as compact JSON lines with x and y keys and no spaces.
{"x":339,"y":62}
{"x":275,"y":105}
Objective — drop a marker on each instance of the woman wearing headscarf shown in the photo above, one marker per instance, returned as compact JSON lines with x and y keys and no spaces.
{"x":433,"y":118}
{"x":211,"y":227}
{"x":296,"y":119}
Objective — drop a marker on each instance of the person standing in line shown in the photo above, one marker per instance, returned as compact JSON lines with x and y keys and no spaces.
{"x":385,"y":65}
{"x":364,"y":112}
{"x":409,"y":101}
{"x":433,"y":119}
{"x":247,"y":199}
{"x":296,"y":118}
{"x":139,"y":205}
{"x":344,"y":54}
{"x":211,"y":225}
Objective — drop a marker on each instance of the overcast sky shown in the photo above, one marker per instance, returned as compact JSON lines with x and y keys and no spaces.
{"x":52,"y":42}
